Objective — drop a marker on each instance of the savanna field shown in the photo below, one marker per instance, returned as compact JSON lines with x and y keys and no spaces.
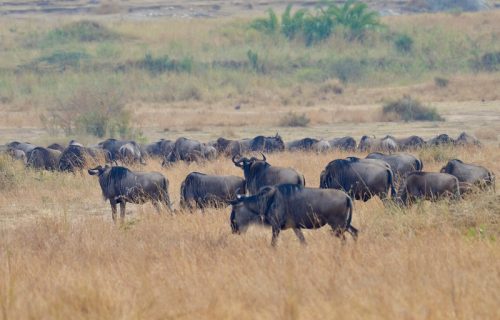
{"x":109,"y":73}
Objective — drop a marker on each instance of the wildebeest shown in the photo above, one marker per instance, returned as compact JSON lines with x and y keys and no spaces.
{"x":130,"y":151}
{"x":470,"y":173}
{"x":385,"y":144}
{"x":190,"y":150}
{"x":360,"y":178}
{"x":43,"y":159}
{"x":228,"y":147}
{"x":161,"y":148}
{"x":56,"y":146}
{"x":400,"y":163}
{"x":465,"y":139}
{"x":23,"y":146}
{"x":75,"y":157}
{"x":429,"y":186}
{"x":411,"y":142}
{"x":263,"y":144}
{"x":202,"y":190}
{"x":120,"y":185}
{"x":442,"y":139}
{"x":259,"y":173}
{"x":293,"y":206}
{"x":344,"y":143}
{"x":304,"y":144}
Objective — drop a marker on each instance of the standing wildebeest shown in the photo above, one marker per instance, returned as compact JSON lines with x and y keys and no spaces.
{"x":75,"y":157}
{"x":43,"y":158}
{"x":190,"y":150}
{"x":470,"y":173}
{"x":465,"y":139}
{"x":386,"y":144}
{"x":360,"y":178}
{"x":228,"y":147}
{"x":161,"y":148}
{"x":344,"y":144}
{"x":305,"y":144}
{"x":400,"y":163}
{"x":124,"y":150}
{"x":442,"y":139}
{"x":259,"y":173}
{"x":263,"y":144}
{"x":428,"y":185}
{"x":23,"y":146}
{"x":202,"y":190}
{"x":293,"y":206}
{"x":412,"y":142}
{"x":120,"y":185}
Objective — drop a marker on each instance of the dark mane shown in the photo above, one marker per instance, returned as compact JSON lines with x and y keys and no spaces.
{"x":289,"y":189}
{"x":118,"y":172}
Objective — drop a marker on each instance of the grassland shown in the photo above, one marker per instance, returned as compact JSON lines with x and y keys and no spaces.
{"x":61,"y":256}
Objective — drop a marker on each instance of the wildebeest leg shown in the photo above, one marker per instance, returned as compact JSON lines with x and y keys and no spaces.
{"x":276,"y":232}
{"x":300,"y":235}
{"x":339,"y":233}
{"x":122,"y":211}
{"x":113,"y":209}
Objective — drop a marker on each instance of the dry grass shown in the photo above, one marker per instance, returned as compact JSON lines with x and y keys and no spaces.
{"x":61,"y":256}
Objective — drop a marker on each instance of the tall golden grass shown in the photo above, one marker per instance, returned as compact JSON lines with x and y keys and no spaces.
{"x":62,"y":257}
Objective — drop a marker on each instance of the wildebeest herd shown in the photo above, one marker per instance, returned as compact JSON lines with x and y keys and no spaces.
{"x":267,"y":194}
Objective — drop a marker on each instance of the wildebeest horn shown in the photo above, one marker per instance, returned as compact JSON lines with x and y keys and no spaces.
{"x":263,"y":157}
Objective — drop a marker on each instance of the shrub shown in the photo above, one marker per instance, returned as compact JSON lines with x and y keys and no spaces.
{"x":292,"y":25}
{"x":408,"y":109}
{"x":58,"y":61}
{"x":348,"y":70}
{"x":97,"y":111}
{"x":165,"y":64}
{"x":253,"y":59}
{"x":81,"y":31}
{"x":489,"y":61}
{"x":269,"y":25}
{"x":403,"y":43}
{"x":355,"y":16}
{"x":317,"y":27}
{"x":293,"y":119}
{"x":441,"y":82}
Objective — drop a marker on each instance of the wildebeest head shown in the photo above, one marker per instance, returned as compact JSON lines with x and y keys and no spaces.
{"x":246,"y":164}
{"x":99,"y":170}
{"x":247,"y":210}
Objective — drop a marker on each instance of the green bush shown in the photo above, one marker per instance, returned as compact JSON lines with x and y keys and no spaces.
{"x":293,"y":119}
{"x":81,"y":31}
{"x":292,"y":25}
{"x":348,"y":69}
{"x":317,"y":27}
{"x":403,"y":43}
{"x":268,"y":25}
{"x":408,"y":109}
{"x":441,"y":82}
{"x":355,"y":16}
{"x":489,"y":61}
{"x":165,"y":64}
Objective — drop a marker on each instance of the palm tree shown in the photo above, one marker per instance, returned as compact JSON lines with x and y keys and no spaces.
{"x":355,"y":16}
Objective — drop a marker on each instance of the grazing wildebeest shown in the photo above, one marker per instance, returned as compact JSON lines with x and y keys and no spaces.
{"x":465,"y":139}
{"x":259,"y":173}
{"x":265,"y":144}
{"x":400,"y":163}
{"x":429,"y":186}
{"x":190,"y":150}
{"x":385,"y":144}
{"x":321,"y":146}
{"x":131,"y":151}
{"x":23,"y":146}
{"x":120,"y":185}
{"x":293,"y":206}
{"x":304,"y":144}
{"x":43,"y":158}
{"x":202,"y":190}
{"x":75,"y":157}
{"x":15,"y":154}
{"x":442,"y":139}
{"x":360,"y":178}
{"x":227,"y":147}
{"x":470,"y":173}
{"x":344,"y":144}
{"x":56,"y":146}
{"x":412,"y":142}
{"x":161,"y":148}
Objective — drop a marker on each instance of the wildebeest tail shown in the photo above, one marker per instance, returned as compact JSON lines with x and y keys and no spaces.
{"x":390,"y":180}
{"x":353,"y":231}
